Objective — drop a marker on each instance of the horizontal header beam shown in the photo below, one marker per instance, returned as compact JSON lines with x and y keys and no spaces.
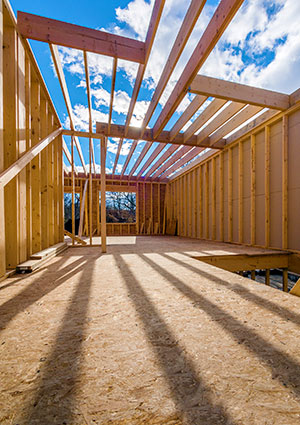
{"x":215,"y":87}
{"x":134,"y":133}
{"x":69,"y":35}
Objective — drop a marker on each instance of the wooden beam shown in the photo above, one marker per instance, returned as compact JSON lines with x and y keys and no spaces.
{"x":134,"y":133}
{"x":219,"y":120}
{"x":182,"y":38}
{"x":140,"y":158}
{"x":162,"y":159}
{"x":219,"y":22}
{"x":221,"y":195}
{"x":2,"y":149}
{"x":77,"y":37}
{"x":244,"y":115}
{"x":112,"y":90}
{"x":209,"y":112}
{"x":7,"y":175}
{"x":295,"y":97}
{"x":171,"y":161}
{"x":208,"y":86}
{"x":241,"y":193}
{"x":73,"y":193}
{"x":68,"y":155}
{"x":88,"y":88}
{"x":151,"y":158}
{"x":230,"y":198}
{"x":64,"y":88}
{"x":285,"y":170}
{"x":253,"y":190}
{"x":103,"y":195}
{"x":190,"y":111}
{"x":267,"y":187}
{"x":188,"y":157}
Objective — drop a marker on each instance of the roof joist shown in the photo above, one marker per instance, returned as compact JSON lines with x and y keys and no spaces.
{"x":216,"y":27}
{"x":215,"y":87}
{"x":77,"y":37}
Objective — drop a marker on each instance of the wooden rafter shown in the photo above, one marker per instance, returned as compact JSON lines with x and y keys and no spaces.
{"x":215,"y":87}
{"x":88,"y":89}
{"x":69,"y":35}
{"x":112,"y":90}
{"x":232,"y":124}
{"x":208,"y":113}
{"x":68,"y":155}
{"x":134,"y":133}
{"x":140,"y":158}
{"x":216,"y":27}
{"x":190,"y":111}
{"x":188,"y":157}
{"x":183,"y":35}
{"x":64,"y":88}
{"x":227,"y":113}
{"x":171,"y":161}
{"x":149,"y":161}
{"x":154,"y":22}
{"x":161,"y":160}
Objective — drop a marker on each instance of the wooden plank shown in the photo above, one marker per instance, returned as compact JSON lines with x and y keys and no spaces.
{"x":267,"y":186}
{"x":82,"y":204}
{"x":188,"y":157}
{"x":267,"y":277}
{"x":207,"y":188}
{"x":247,"y":113}
{"x":208,"y":86}
{"x":103,"y":194}
{"x":51,"y":180}
{"x":160,"y":161}
{"x":221,"y":195}
{"x":2,"y":150}
{"x":69,"y":35}
{"x":285,"y":280}
{"x":213,"y":199}
{"x":253,"y":190}
{"x":61,"y":225}
{"x":88,"y":89}
{"x":28,"y":146}
{"x":112,"y":91}
{"x":209,"y":112}
{"x":76,"y":238}
{"x":73,"y":192}
{"x":189,"y":112}
{"x":140,"y":158}
{"x":241,"y":197}
{"x":65,"y":92}
{"x":151,"y":158}
{"x":285,"y":141}
{"x":230,"y":206}
{"x":91,"y":194}
{"x":182,"y":38}
{"x":172,"y":160}
{"x":234,"y":263}
{"x":134,"y":133}
{"x":219,"y":22}
{"x":44,"y":177}
{"x":219,"y":120}
{"x":9,"y":173}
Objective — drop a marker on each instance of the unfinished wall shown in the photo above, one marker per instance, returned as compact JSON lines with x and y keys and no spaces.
{"x":249,"y":193}
{"x":31,"y":207}
{"x":150,"y":198}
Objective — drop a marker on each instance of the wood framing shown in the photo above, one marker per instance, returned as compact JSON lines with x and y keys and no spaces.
{"x":208,"y":86}
{"x":64,"y":34}
{"x":103,"y":195}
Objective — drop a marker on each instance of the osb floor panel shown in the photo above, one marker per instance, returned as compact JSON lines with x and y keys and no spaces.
{"x":147,"y":335}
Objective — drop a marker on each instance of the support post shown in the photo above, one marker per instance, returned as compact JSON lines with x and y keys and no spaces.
{"x":285,"y":135}
{"x":73,"y":192}
{"x":253,"y":274}
{"x":103,"y":195}
{"x":230,"y":210}
{"x":241,"y":201}
{"x":285,"y":280}
{"x":2,"y":218}
{"x":253,"y":190}
{"x":267,"y":277}
{"x":267,"y":186}
{"x":91,"y":193}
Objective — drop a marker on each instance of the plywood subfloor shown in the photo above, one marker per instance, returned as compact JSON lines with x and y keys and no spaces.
{"x":147,"y":335}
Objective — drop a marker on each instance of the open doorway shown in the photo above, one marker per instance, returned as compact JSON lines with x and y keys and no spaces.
{"x":68,"y":211}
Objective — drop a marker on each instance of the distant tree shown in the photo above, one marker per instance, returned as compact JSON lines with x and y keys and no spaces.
{"x":120,"y":207}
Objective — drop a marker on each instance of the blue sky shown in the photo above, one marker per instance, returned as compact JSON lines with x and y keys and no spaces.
{"x":261,"y":47}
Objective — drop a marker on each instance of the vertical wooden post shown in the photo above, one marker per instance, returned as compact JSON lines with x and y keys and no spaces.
{"x":196,"y":200}
{"x":97,"y":204}
{"x":158,"y":206}
{"x":91,"y":193}
{"x":44,"y":177}
{"x":221,"y":195}
{"x":253,"y":190}
{"x":241,"y":200}
{"x":73,"y":191}
{"x":230,"y":218}
{"x":253,"y":274}
{"x":103,"y":194}
{"x":285,"y":135}
{"x":201,"y":202}
{"x":151,"y":208}
{"x":2,"y":218}
{"x":285,"y":280}
{"x":267,"y":277}
{"x":137,"y":207}
{"x":213,"y":203}
{"x":60,"y":190}
{"x":28,"y":146}
{"x":267,"y":186}
{"x":51,"y":183}
{"x":190,"y":204}
{"x":206,"y":201}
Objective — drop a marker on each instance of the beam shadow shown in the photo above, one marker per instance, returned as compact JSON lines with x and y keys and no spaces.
{"x":55,"y":398}
{"x":242,"y":291}
{"x":193,"y":398}
{"x":283,"y":367}
{"x":37,"y":290}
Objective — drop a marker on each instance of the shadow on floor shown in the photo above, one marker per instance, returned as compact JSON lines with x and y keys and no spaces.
{"x":192,"y":397}
{"x":282,"y":366}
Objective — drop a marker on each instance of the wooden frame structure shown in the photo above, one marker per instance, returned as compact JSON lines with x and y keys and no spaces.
{"x":187,"y":163}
